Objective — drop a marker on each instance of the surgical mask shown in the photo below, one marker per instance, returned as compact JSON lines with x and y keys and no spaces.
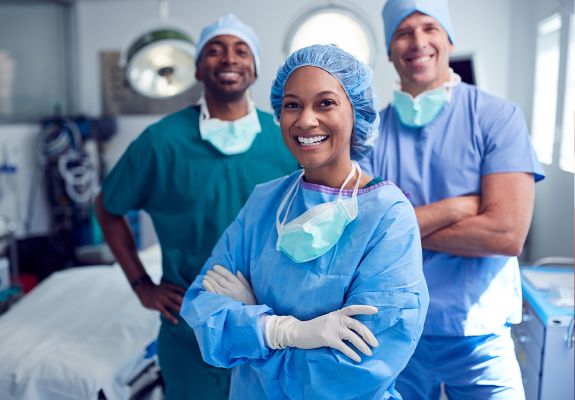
{"x":317,"y":230}
{"x":229,"y":137}
{"x":424,"y":108}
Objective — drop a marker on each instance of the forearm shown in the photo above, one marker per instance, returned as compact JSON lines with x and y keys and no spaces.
{"x":440,"y":214}
{"x":501,"y":226}
{"x":121,"y":241}
{"x":480,"y":236}
{"x":229,"y":333}
{"x":376,"y":372}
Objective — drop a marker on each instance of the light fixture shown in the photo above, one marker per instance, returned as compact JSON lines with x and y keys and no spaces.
{"x":160,"y":63}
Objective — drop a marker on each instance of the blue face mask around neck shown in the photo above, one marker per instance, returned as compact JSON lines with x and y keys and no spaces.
{"x":317,"y":230}
{"x":229,"y":137}
{"x":421,"y":110}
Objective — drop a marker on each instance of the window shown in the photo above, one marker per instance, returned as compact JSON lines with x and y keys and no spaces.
{"x":34,"y":60}
{"x":317,"y":27}
{"x":567,"y":156}
{"x":546,"y":80}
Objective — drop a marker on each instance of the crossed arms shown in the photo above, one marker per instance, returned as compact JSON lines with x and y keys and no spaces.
{"x":495,"y":223}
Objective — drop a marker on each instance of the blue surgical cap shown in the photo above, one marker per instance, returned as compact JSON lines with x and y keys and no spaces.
{"x":396,"y":11}
{"x":354,"y":76}
{"x":231,"y":25}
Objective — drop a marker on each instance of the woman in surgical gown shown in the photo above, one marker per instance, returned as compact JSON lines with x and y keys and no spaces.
{"x":319,"y":266}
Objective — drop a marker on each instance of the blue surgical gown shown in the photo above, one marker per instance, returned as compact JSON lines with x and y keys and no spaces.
{"x":474,"y":135}
{"x":377,"y":262}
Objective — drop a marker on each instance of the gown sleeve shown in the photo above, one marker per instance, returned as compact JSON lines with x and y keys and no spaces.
{"x":389,"y":277}
{"x":228,"y":331}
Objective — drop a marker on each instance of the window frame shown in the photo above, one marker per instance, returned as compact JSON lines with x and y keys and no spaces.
{"x":566,"y":74}
{"x":546,"y":139}
{"x":345,"y":10}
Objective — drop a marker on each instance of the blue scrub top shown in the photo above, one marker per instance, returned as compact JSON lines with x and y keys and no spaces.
{"x":377,"y":261}
{"x":474,"y":135}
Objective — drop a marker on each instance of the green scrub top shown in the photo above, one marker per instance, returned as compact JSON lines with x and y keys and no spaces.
{"x":192,"y":192}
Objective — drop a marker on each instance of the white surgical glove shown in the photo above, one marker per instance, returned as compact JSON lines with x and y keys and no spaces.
{"x":221,"y":281}
{"x":329,"y":330}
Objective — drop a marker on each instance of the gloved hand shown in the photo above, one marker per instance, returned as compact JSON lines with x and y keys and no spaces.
{"x":219,"y":280}
{"x":329,"y":330}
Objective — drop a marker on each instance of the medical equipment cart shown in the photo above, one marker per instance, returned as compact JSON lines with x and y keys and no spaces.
{"x":544,"y":338}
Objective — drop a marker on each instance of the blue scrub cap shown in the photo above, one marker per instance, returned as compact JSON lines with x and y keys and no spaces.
{"x":396,"y":11}
{"x":354,"y":76}
{"x":231,"y":25}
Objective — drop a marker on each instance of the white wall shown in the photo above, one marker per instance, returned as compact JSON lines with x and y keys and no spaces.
{"x":483,"y":28}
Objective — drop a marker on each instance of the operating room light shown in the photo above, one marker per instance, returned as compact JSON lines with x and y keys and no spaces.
{"x":161,"y":63}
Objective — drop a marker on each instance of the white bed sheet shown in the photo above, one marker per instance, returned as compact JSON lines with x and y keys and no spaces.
{"x":75,"y":333}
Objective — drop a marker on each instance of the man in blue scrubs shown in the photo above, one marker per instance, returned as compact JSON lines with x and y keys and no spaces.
{"x":465,"y":160}
{"x":192,"y":172}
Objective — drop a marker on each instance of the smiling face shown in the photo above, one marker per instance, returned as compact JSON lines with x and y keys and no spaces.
{"x":226,"y":68}
{"x":316,"y":121}
{"x":419,"y":50}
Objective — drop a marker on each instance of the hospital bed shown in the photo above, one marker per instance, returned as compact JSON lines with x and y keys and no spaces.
{"x":80,"y":334}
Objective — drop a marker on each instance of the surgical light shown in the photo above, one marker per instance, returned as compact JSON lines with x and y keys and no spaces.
{"x":160,"y":63}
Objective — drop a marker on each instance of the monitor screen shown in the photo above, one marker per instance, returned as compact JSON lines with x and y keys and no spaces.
{"x":464,"y":66}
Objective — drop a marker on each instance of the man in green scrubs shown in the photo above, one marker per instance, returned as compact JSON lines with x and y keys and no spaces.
{"x":192,"y":172}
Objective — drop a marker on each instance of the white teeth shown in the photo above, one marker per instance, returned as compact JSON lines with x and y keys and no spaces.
{"x":421,"y":60}
{"x":229,"y":75}
{"x":311,"y":141}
